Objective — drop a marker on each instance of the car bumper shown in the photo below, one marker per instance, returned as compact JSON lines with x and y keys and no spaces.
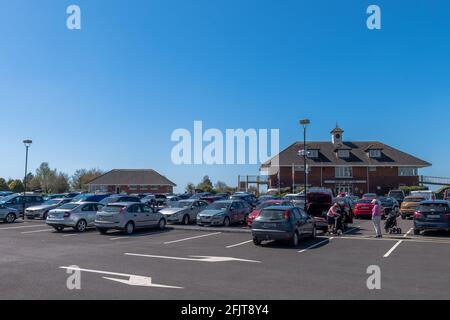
{"x":422,"y":225}
{"x":173,"y":219}
{"x":66,"y":222}
{"x":210,"y":222}
{"x":263,"y":234}
{"x":109,"y":225}
{"x":363,"y":214}
{"x":34,"y":214}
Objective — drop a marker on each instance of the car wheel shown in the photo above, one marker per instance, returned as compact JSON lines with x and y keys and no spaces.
{"x":186,"y":220}
{"x":102,"y":230}
{"x":59,"y":229}
{"x":417,"y":232}
{"x":257,"y":242}
{"x":81,"y":226}
{"x":44,"y":216}
{"x":129,"y":228}
{"x":294,"y":239}
{"x":226,"y":222}
{"x":162,"y":224}
{"x":10,"y":218}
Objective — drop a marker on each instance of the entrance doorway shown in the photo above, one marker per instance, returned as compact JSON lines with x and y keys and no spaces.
{"x":344,"y":188}
{"x":118,"y":190}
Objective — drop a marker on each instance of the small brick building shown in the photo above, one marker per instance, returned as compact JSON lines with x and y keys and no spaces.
{"x":344,"y":166}
{"x":132,"y":181}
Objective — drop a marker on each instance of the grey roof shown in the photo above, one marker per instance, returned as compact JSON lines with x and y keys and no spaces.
{"x":132,"y":177}
{"x":358,"y":155}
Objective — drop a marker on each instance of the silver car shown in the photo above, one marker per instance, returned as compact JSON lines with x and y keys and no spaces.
{"x":184,"y":211}
{"x":224,"y":212}
{"x":128,"y":217}
{"x":42,"y":210}
{"x":8,"y":215}
{"x":76,"y":215}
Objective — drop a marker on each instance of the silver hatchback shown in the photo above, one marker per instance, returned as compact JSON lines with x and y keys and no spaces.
{"x":128,"y":217}
{"x":76,"y":215}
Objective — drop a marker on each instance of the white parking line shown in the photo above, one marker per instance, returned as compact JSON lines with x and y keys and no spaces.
{"x":71,"y":235}
{"x":36,"y":231}
{"x":22,"y":227}
{"x":397,"y":244}
{"x":239,"y":244}
{"x":192,"y":238}
{"x":119,"y":238}
{"x":316,"y":245}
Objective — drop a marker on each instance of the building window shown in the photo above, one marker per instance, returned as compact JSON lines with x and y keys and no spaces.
{"x":375,"y":153}
{"x":344,"y":172}
{"x":154,"y":188}
{"x":133,"y":188}
{"x":408,"y":172}
{"x":372,"y":169}
{"x":313,"y":153}
{"x":343,"y":153}
{"x":143,"y":187}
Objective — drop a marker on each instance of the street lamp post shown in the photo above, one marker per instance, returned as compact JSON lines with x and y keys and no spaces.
{"x":27,"y":144}
{"x":305,"y":123}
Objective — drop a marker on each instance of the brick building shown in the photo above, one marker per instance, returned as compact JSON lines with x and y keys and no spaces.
{"x":132,"y":181}
{"x":344,"y":166}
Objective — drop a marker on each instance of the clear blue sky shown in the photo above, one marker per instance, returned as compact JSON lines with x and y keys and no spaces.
{"x":110,"y":95}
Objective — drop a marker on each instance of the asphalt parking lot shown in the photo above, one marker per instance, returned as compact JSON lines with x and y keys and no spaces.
{"x":200,"y":263}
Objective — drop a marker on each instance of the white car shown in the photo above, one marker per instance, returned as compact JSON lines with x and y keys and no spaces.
{"x":184,"y":211}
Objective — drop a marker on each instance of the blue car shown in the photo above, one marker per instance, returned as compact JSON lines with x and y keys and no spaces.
{"x":432,"y":215}
{"x":90,"y":197}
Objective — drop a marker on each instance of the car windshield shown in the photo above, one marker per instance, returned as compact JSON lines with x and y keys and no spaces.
{"x":434,"y":207}
{"x":181,"y":204}
{"x":7,"y":198}
{"x":272,"y":214}
{"x":414,"y":199}
{"x":364,"y":201}
{"x":51,"y":202}
{"x":113,"y":208}
{"x":267,"y":204}
{"x":80,"y":197}
{"x":396,"y":194}
{"x":109,"y":200}
{"x":69,"y":206}
{"x":218,"y":206}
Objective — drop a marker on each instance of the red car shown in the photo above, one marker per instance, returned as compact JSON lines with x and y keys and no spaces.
{"x":256,"y":212}
{"x":363,"y":208}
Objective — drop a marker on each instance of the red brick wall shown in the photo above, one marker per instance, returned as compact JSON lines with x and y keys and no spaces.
{"x":386,"y":178}
{"x":145,"y":189}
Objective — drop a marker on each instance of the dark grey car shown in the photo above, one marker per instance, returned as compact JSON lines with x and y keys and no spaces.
{"x":283,"y":223}
{"x":19,"y":201}
{"x":432,"y":215}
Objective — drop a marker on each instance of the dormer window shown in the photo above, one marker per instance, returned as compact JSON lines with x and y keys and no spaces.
{"x":313,"y":154}
{"x":375,"y":153}
{"x":343,"y":153}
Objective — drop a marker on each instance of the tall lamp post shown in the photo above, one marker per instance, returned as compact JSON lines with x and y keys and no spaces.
{"x":27,"y":144}
{"x":305,"y":123}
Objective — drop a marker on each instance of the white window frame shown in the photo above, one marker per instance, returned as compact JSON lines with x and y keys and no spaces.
{"x":313,"y":153}
{"x":343,"y":153}
{"x":343,"y":172}
{"x":375,"y":153}
{"x":408,"y":172}
{"x":133,"y":188}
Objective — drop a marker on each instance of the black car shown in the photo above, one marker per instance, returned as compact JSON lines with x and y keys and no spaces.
{"x":285,"y":223}
{"x":432,"y":215}
{"x":398,"y":195}
{"x":389,"y":204}
{"x":247,"y":197}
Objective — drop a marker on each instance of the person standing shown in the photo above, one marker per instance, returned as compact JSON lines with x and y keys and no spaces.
{"x":376,"y":218}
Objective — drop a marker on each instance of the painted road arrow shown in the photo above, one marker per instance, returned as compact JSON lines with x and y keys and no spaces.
{"x":133,"y":280}
{"x":212,"y":259}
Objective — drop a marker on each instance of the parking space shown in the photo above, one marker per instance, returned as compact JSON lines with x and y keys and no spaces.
{"x":179,"y":263}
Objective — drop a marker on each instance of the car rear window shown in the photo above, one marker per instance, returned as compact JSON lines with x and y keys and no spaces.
{"x":272,"y":214}
{"x":69,"y":206}
{"x":364,"y":201}
{"x":434,"y":207}
{"x":113,"y":209}
{"x":414,"y":199}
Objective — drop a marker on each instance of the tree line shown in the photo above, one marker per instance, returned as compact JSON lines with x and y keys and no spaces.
{"x":48,"y":180}
{"x":206,"y":185}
